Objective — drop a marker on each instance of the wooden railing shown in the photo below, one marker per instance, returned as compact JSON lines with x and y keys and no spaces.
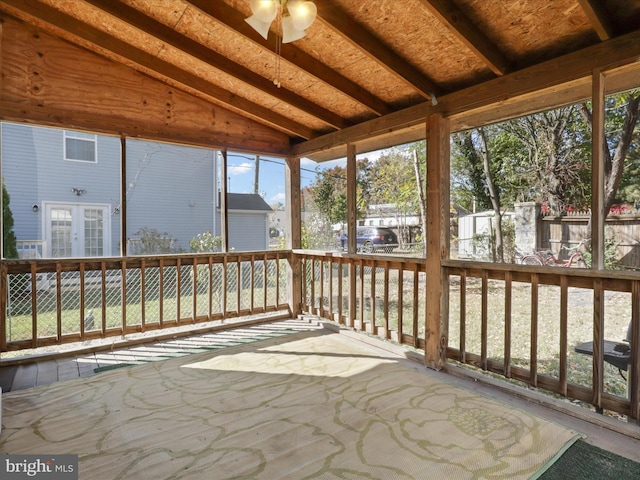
{"x":515,"y":321}
{"x":48,"y":302}
{"x":376,"y":294}
{"x":519,"y":322}
{"x":524,"y":323}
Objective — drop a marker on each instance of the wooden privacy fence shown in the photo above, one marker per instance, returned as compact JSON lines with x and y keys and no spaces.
{"x":534,"y":231}
{"x":622,"y":233}
{"x":50,"y":302}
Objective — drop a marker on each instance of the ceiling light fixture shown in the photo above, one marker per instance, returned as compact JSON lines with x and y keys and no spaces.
{"x":295,"y":17}
{"x":292,"y":16}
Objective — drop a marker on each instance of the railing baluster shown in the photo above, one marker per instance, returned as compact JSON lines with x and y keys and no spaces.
{"x":387,"y":333}
{"x":238,"y":286}
{"x":58,"y":305}
{"x":331,"y":264}
{"x":313,"y":286}
{"x":340,"y":278}
{"x":321,"y":310}
{"x":4,"y":300}
{"x":598,"y":343}
{"x":123,"y":296}
{"x":507,"y":324}
{"x":264,"y":282}
{"x":178,"y":291}
{"x":634,"y":367}
{"x":416,"y":308}
{"x":224,"y":287}
{"x":143,"y":290}
{"x":103,"y":287}
{"x":533,"y":352}
{"x":484,"y":325}
{"x":252,"y":298}
{"x":210,"y":288}
{"x":361,"y":295}
{"x":82,"y":292}
{"x":352,"y":293}
{"x":161,"y":292}
{"x":564,"y":325}
{"x":374,"y":328}
{"x":194,"y":291}
{"x":400,"y":302}
{"x":34,"y":309}
{"x":277,"y":260}
{"x":463,"y":316}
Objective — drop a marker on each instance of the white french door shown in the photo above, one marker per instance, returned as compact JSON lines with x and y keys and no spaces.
{"x":77,"y":230}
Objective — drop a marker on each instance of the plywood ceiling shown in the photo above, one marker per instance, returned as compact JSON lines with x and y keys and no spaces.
{"x":360,"y":60}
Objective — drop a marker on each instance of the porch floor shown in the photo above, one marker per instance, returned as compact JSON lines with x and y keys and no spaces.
{"x":47,"y":369}
{"x":279,"y":334}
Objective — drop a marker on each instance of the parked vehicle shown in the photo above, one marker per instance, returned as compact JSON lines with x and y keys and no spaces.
{"x":371,"y":239}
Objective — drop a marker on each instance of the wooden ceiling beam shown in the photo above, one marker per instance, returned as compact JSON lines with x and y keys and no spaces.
{"x":234,"y":20}
{"x":459,"y":24}
{"x":214,"y":59}
{"x":599,"y":19}
{"x":571,"y":67}
{"x":164,"y":70}
{"x":338,"y":20}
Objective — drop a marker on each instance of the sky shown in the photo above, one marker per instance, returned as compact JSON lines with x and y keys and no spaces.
{"x":271,"y":184}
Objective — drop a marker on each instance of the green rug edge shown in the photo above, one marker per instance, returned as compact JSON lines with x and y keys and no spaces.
{"x":583,"y":461}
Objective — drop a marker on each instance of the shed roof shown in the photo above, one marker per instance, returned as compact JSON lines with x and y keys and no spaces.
{"x":247,"y":201}
{"x":366,"y":72}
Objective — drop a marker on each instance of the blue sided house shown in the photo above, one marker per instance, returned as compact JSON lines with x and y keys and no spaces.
{"x":64,"y":189}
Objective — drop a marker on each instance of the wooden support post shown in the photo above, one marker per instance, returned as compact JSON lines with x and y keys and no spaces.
{"x":224,"y":208}
{"x":597,"y":172}
{"x":351,"y":228}
{"x":352,"y":191}
{"x":294,"y":239}
{"x":437,"y":232}
{"x":123,"y":197}
{"x":597,"y":231}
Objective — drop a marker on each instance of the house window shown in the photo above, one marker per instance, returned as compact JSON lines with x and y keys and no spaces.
{"x":80,"y":147}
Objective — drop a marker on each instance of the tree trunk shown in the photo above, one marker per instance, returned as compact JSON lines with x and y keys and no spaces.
{"x":493,"y":196}
{"x":421,"y":200}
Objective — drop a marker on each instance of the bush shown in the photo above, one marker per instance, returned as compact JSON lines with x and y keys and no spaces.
{"x":148,"y":241}
{"x":9,"y":240}
{"x":205,"y":243}
{"x":611,"y":260}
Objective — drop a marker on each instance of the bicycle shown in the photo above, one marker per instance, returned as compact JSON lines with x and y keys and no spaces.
{"x":548,"y":258}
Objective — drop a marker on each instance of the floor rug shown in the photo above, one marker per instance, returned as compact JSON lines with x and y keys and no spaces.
{"x":309,"y":405}
{"x":583,"y":461}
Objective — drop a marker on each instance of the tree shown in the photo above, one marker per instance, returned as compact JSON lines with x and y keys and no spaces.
{"x":556,"y":146}
{"x":620,"y":132}
{"x":9,"y":237}
{"x":329,"y":191}
{"x":393,"y":181}
{"x":480,"y":151}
